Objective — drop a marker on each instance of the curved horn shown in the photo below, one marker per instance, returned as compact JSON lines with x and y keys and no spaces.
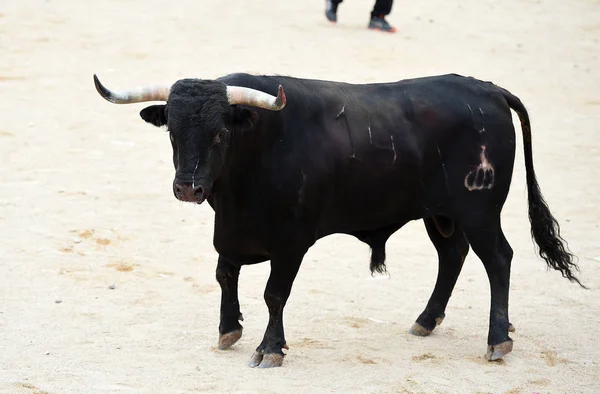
{"x":146,"y":93}
{"x":256,"y":98}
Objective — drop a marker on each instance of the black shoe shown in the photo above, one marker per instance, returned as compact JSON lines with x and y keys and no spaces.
{"x":331,"y":11}
{"x":379,"y":23}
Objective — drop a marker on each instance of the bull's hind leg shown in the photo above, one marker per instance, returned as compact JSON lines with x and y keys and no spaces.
{"x":452,"y":248}
{"x":230,"y":329}
{"x":490,"y":245}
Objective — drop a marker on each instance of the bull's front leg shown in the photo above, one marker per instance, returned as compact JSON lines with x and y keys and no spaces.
{"x":283,"y":272}
{"x":230,"y":329}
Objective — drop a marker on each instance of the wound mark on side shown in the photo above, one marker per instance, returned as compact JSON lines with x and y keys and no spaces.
{"x":369,"y":129}
{"x":443,"y":166}
{"x":482,"y":177}
{"x":471,"y":111}
{"x":482,"y":130}
{"x":394,"y":149}
{"x":481,"y":127}
{"x":301,"y":191}
{"x":343,"y":112}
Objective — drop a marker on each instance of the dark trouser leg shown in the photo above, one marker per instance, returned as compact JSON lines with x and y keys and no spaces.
{"x":490,"y":245}
{"x":230,"y":330}
{"x":283,"y":271}
{"x":452,"y":252}
{"x":382,"y":7}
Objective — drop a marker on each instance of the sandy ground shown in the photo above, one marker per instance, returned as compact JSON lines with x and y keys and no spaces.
{"x":85,"y":202}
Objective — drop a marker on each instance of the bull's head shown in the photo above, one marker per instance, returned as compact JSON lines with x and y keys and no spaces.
{"x":200,"y":116}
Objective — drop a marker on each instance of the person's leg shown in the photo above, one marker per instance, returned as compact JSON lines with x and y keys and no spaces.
{"x":380,"y":10}
{"x":331,"y":9}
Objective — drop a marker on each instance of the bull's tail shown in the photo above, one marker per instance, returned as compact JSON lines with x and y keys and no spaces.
{"x":545,"y":230}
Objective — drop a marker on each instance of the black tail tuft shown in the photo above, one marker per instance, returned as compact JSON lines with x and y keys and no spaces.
{"x":545,"y":230}
{"x":378,"y":259}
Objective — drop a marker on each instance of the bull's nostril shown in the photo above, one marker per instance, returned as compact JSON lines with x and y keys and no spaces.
{"x":198,"y":192}
{"x":188,"y":192}
{"x":179,"y":191}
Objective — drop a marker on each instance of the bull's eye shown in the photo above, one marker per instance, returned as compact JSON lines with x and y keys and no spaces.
{"x":217,"y":139}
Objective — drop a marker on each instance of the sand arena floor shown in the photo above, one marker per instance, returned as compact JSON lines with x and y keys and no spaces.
{"x":85,"y":202}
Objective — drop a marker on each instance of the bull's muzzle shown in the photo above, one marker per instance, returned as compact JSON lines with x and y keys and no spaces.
{"x":188,"y":192}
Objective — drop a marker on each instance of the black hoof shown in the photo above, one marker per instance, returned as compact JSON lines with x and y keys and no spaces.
{"x":269,"y":360}
{"x":496,"y":352}
{"x":419,"y":330}
{"x":229,"y":339}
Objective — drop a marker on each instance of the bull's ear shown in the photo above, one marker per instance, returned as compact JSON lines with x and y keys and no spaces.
{"x":244,"y":118}
{"x":155,"y":114}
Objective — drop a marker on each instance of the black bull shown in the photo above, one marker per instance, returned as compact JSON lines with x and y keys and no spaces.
{"x":354,"y":159}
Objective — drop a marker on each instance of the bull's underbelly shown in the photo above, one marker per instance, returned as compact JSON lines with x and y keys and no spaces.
{"x":371,"y":212}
